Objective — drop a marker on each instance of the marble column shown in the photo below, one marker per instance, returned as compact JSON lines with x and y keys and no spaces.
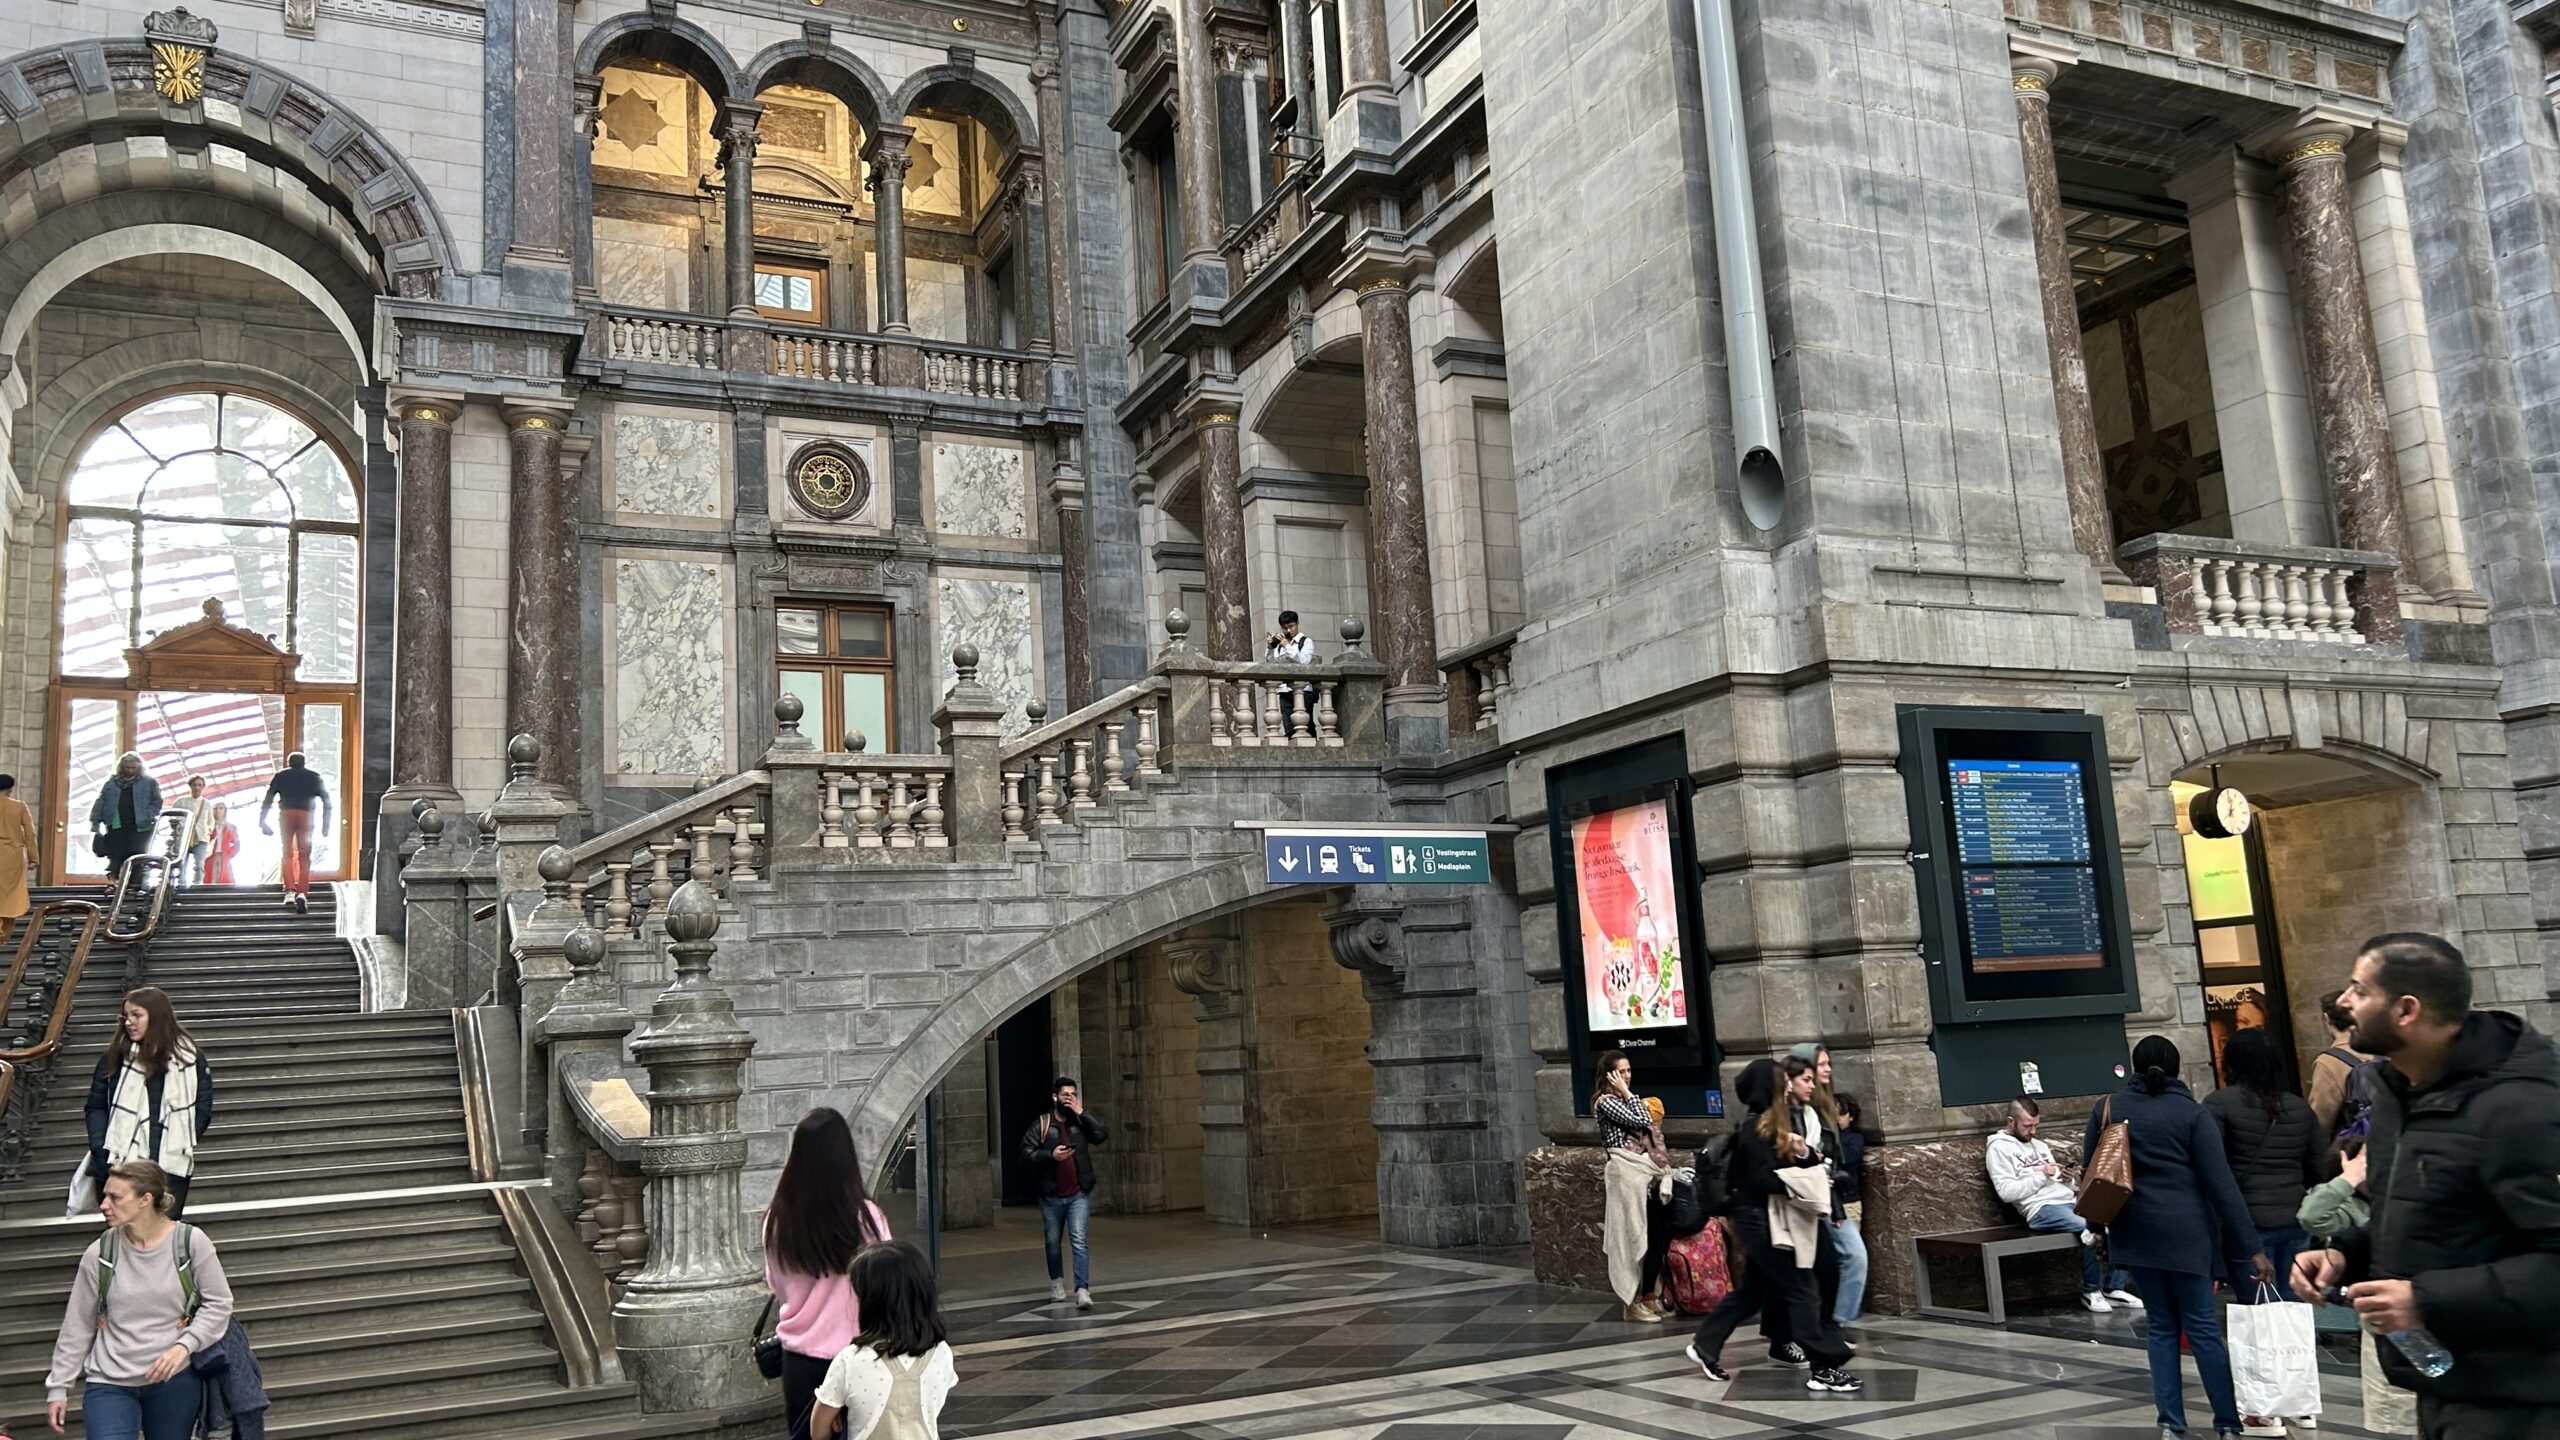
{"x":567,"y":741}
{"x":1066,"y":491}
{"x":1298,"y":77}
{"x":738,"y":121}
{"x":1368,"y":61}
{"x":1056,"y":299}
{"x":422,"y":647}
{"x":2084,"y":474}
{"x":1399,"y":544}
{"x":1031,"y":248}
{"x":889,"y":161}
{"x":2347,"y":406}
{"x":588,"y":97}
{"x":541,"y":608}
{"x":1196,"y":135}
{"x":1230,"y":632}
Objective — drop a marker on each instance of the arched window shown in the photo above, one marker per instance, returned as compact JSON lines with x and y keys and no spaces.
{"x":210,"y":495}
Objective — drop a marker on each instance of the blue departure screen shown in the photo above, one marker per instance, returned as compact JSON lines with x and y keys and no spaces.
{"x":2030,"y":892}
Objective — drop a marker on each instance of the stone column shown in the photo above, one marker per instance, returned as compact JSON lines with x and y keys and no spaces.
{"x":1208,"y":966}
{"x":684,"y":1322}
{"x":1298,"y":77}
{"x":1367,"y":61}
{"x":1230,"y":634}
{"x":587,"y":96}
{"x":567,"y":741}
{"x":422,"y":648}
{"x":2084,"y":474}
{"x":1399,"y":544}
{"x":1066,"y":491}
{"x":738,"y":171}
{"x":889,"y":160}
{"x":541,"y":606}
{"x":1058,"y":218}
{"x":2346,"y":379}
{"x":1031,"y":247}
{"x":1196,"y":133}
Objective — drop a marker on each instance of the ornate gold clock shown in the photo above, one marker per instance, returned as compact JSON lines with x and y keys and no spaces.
{"x":828,"y":481}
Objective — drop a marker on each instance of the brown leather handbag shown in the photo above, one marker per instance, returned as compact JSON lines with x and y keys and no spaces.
{"x":2107,"y":1182}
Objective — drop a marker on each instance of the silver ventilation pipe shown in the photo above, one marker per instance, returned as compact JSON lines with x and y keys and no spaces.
{"x":1759,"y":475}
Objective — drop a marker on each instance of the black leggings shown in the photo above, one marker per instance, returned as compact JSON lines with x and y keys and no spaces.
{"x":1657,"y":1244}
{"x":801,"y":1376}
{"x":1771,"y":1282}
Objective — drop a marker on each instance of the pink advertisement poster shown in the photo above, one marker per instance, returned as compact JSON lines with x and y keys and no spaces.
{"x":1622,"y":866}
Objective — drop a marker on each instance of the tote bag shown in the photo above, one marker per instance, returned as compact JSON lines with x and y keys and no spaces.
{"x":2108,"y":1181}
{"x":2275,"y":1363}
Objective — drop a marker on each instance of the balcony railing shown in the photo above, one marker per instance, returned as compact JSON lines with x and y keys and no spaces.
{"x":827,"y":357}
{"x":2248,"y":591}
{"x":1268,"y":232}
{"x":1479,"y":680}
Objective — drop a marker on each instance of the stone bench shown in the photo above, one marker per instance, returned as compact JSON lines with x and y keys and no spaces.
{"x":1988,"y":1246}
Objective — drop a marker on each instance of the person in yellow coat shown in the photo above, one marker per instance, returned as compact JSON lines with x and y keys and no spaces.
{"x":17,"y":854}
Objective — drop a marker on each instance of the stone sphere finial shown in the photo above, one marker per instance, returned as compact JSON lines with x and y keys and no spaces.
{"x":1035,"y":710}
{"x":430,"y":825}
{"x":584,"y":949}
{"x":854,"y":741}
{"x":524,"y":750}
{"x":964,"y":659}
{"x":787,"y":710}
{"x":693,"y":913}
{"x":1352,"y":630}
{"x":420,"y":806}
{"x":555,"y":865}
{"x":1177,"y":627}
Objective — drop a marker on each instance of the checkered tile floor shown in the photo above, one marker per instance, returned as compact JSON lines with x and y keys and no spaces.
{"x":1399,"y":1346}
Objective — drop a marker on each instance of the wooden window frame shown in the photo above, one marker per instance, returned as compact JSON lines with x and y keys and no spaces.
{"x":827,"y":728}
{"x":813,"y":271}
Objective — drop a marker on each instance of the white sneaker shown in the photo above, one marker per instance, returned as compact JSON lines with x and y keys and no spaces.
{"x":1057,"y":1289}
{"x":1084,"y":1298}
{"x":2096,"y":1302}
{"x":2126,"y":1299}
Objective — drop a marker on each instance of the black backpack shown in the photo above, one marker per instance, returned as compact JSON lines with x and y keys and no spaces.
{"x":1704,"y":1195}
{"x":2353,"y":1112}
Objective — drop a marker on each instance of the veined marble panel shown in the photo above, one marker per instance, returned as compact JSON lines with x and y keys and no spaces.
{"x":666,"y":465}
{"x":978,"y":490}
{"x":670,"y":666}
{"x":642,"y":263}
{"x":995,"y":616}
{"x":938,"y":300}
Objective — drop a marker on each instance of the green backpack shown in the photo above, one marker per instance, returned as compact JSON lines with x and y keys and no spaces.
{"x":186,"y":1238}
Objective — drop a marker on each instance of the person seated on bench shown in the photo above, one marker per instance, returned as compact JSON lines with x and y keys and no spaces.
{"x":2027,"y":1176}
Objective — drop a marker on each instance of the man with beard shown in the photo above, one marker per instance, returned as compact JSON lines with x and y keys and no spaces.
{"x":2464,"y":1173}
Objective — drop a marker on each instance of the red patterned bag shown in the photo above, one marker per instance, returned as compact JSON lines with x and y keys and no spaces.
{"x":1698,"y":1270}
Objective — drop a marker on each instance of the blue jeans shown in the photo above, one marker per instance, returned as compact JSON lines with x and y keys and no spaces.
{"x":2281,"y":1246}
{"x":1068,"y":1213}
{"x":2177,"y":1304}
{"x":166,"y":1411}
{"x":2061,"y":1220}
{"x":1851,"y":1247}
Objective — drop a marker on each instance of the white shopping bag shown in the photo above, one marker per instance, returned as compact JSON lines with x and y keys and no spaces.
{"x":83,"y":1199}
{"x":2275,"y":1364}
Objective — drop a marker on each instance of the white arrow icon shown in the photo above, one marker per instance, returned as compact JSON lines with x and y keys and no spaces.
{"x":1289,"y":860}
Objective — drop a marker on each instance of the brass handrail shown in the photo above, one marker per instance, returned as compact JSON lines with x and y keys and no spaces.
{"x":35,"y":922}
{"x":44,"y":1049}
{"x":182,"y":823}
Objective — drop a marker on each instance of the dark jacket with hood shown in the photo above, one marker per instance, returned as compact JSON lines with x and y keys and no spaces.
{"x":2276,"y":1157}
{"x":2465,"y":1179}
{"x":2187,"y":1213}
{"x":1040,"y":1144}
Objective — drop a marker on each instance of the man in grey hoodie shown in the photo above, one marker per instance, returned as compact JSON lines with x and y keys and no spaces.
{"x":2029,"y":1180}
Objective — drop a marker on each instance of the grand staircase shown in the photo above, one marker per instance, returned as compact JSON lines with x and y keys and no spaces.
{"x":387,"y":1294}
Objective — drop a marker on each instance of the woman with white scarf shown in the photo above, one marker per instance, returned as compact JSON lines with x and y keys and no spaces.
{"x":152,"y":1096}
{"x":1634,"y":1188}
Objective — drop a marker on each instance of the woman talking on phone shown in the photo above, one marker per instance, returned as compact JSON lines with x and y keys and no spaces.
{"x":1634,"y":1225}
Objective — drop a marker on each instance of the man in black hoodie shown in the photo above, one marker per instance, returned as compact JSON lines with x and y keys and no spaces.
{"x":2464,"y":1171}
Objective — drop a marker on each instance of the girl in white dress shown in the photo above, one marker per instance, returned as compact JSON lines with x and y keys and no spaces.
{"x":889,"y":1384}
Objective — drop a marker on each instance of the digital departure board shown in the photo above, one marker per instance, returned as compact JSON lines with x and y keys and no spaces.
{"x":2030,"y":898}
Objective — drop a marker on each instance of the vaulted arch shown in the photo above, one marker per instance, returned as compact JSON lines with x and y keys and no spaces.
{"x":669,"y":41}
{"x":973,"y":93}
{"x":822,"y":67}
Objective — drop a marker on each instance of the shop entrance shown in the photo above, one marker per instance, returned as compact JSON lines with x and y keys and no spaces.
{"x":2338,"y":850}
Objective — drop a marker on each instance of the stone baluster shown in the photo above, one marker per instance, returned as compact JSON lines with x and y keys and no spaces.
{"x":1080,"y":776}
{"x":929,"y":831}
{"x":742,"y":843}
{"x":902,"y":830}
{"x":662,"y":879}
{"x":1219,"y":734}
{"x":602,"y":1224}
{"x":1328,"y":726}
{"x":866,"y":814}
{"x":1045,"y":800}
{"x":1013,"y":782}
{"x":2297,"y":601}
{"x":2252,"y":610}
{"x":1115,"y":768}
{"x":617,"y":898}
{"x":2221,"y":607}
{"x":1301,"y":714}
{"x":2319,"y":616}
{"x":1148,"y":745}
{"x":698,"y":864}
{"x":631,"y":1240}
{"x":685,"y":1320}
{"x":831,"y":817}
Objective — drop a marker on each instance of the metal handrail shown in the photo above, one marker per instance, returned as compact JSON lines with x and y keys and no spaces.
{"x":182,"y":823}
{"x":36,"y":919}
{"x":44,"y":1049}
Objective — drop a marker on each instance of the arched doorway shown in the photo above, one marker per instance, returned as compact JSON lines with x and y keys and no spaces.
{"x":209,"y":616}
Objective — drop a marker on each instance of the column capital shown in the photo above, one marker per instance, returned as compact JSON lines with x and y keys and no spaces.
{"x":738,"y":120}
{"x":1066,"y":486}
{"x":536,"y":415}
{"x":2377,"y":148}
{"x":887,"y":141}
{"x":423,"y":406}
{"x":2310,"y":135}
{"x":2036,"y":61}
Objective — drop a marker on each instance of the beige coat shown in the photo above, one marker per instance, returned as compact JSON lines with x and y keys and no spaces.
{"x":17,"y":851}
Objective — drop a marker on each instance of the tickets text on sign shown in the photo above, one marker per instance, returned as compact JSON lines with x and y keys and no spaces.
{"x":1353,"y":859}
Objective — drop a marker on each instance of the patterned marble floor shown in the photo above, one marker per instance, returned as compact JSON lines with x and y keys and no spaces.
{"x":1349,"y":1341}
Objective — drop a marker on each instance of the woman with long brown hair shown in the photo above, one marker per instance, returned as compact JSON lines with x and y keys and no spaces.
{"x":819,"y":1220}
{"x":152,"y":1096}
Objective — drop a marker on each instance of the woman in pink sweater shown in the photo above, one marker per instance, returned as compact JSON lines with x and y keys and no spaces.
{"x":819,"y":1217}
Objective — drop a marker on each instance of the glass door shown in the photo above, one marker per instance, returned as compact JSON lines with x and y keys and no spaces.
{"x":94,"y":730}
{"x":319,"y":731}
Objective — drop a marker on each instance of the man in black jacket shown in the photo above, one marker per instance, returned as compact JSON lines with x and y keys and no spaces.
{"x":1059,"y":1147}
{"x":2464,"y":1171}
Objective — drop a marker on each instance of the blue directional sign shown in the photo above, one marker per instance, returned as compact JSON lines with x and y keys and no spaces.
{"x":1376,"y":856}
